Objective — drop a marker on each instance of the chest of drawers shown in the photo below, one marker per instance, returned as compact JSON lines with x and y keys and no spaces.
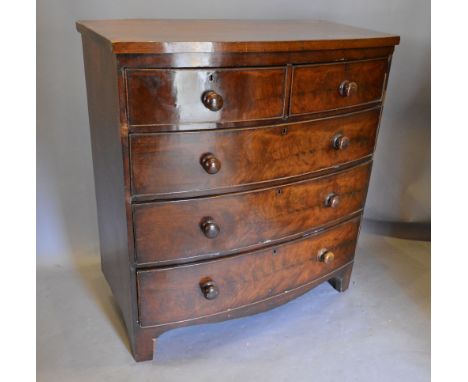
{"x":231,"y":161}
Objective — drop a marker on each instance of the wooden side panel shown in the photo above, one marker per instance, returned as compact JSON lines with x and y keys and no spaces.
{"x":316,"y":88}
{"x":175,"y":294}
{"x":172,"y":231}
{"x":173,"y":96}
{"x":169,"y":164}
{"x":108,"y":161}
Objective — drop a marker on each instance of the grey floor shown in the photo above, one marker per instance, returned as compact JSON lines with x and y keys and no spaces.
{"x":379,"y":330}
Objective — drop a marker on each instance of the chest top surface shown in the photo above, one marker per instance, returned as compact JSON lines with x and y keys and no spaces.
{"x":133,"y":36}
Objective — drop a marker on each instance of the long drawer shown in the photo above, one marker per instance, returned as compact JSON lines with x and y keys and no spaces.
{"x":188,"y":229}
{"x":202,"y":161}
{"x":189,"y":292}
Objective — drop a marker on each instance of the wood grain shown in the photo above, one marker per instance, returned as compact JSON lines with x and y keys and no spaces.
{"x":242,"y":234}
{"x":170,"y":231}
{"x":175,"y":96}
{"x":315,"y":88}
{"x":246,"y":59}
{"x":173,"y":294}
{"x":110,"y":177}
{"x":146,"y":337}
{"x":171,"y":36}
{"x":169,"y":164}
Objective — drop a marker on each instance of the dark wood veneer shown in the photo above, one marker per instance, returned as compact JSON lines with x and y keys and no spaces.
{"x":210,"y":36}
{"x":245,"y":59}
{"x":170,"y":163}
{"x":168,"y":231}
{"x":231,"y":161}
{"x":318,"y":87}
{"x":338,"y":278}
{"x":175,"y":96}
{"x":168,"y":295}
{"x":108,"y":136}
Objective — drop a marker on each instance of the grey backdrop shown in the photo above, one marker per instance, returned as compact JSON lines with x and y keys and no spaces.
{"x":66,"y":207}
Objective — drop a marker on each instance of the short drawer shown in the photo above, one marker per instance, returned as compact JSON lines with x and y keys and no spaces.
{"x":188,"y":292}
{"x":203,"y":161}
{"x":318,"y":88}
{"x":181,"y":230}
{"x":177,"y":96}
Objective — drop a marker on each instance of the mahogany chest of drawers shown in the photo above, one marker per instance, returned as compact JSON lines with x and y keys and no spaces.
{"x":231,"y":161}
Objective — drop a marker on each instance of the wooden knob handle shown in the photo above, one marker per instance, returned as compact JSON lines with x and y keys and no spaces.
{"x":332,"y":200}
{"x":212,"y":100}
{"x":210,"y":163}
{"x":209,"y":227}
{"x":326,"y":256}
{"x":340,"y":142}
{"x":209,"y":289}
{"x":348,"y":88}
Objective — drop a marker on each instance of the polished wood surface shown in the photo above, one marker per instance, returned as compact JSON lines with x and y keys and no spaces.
{"x":232,"y":161}
{"x":171,"y":231}
{"x":174,"y":294}
{"x":339,"y":278}
{"x":173,"y":163}
{"x":247,"y":59}
{"x":239,"y":36}
{"x":110,"y":178}
{"x":318,"y":88}
{"x":180,"y":96}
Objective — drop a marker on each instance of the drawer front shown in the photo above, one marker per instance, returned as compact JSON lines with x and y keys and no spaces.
{"x":318,"y":88}
{"x":211,"y":226}
{"x":168,"y":163}
{"x":175,"y":96}
{"x":188,"y":292}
